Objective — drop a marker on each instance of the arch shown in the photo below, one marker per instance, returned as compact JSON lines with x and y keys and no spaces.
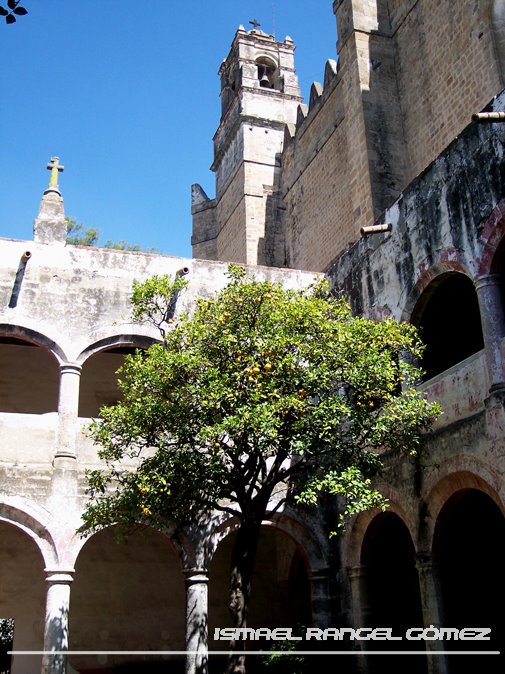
{"x":38,"y":338}
{"x":22,"y":592}
{"x":469,"y":554}
{"x":353,"y":539}
{"x":127,"y":596}
{"x":116,"y":341}
{"x":100,"y":362}
{"x":268,"y":73}
{"x":314,"y":546}
{"x":457,"y":474}
{"x":448,"y":315}
{"x":281,"y":589}
{"x":31,"y":522}
{"x":391,"y":594}
{"x":493,"y":231}
{"x":428,"y":275}
{"x":29,"y":371}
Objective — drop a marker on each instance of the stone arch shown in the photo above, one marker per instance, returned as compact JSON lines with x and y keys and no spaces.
{"x":390,"y":593}
{"x":448,"y":315}
{"x":493,"y":232}
{"x":268,"y":72}
{"x":100,"y":362}
{"x":427,"y":277}
{"x":29,"y":335}
{"x":127,"y":596}
{"x":30,"y":373}
{"x":469,"y":556}
{"x":304,"y":535}
{"x":281,"y":595}
{"x":35,"y":525}
{"x":113,"y":341}
{"x":24,"y":554}
{"x":353,"y":539}
{"x":460,"y":473}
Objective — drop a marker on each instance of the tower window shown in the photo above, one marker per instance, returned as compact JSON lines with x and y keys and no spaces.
{"x":267,"y":73}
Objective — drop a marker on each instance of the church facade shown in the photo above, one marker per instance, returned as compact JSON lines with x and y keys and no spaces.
{"x":384,"y":184}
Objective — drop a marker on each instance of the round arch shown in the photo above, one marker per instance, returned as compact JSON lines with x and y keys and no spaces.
{"x":390,"y":593}
{"x":353,"y":539}
{"x":448,"y":315}
{"x":469,"y":555}
{"x":460,"y":473}
{"x":100,"y":362}
{"x":115,"y":341}
{"x":28,"y":335}
{"x":127,"y":596}
{"x":29,"y":371}
{"x":29,"y":521}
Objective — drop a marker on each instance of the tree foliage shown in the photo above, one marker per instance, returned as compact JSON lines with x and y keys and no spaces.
{"x":262,"y":394}
{"x":12,"y":11}
{"x":79,"y":235}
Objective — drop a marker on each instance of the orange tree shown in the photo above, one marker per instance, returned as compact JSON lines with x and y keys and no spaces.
{"x":260,"y":388}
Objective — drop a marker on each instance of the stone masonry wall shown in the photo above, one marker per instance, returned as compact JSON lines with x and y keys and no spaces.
{"x":446,"y":68}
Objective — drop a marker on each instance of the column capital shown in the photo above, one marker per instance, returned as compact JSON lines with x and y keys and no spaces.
{"x":424,"y":561}
{"x":194,"y":576}
{"x":323,"y":573}
{"x":487,"y":280}
{"x":356,"y":572}
{"x":59,"y":576}
{"x":70,"y":368}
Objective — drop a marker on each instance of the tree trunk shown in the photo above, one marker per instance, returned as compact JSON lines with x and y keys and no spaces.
{"x":242,"y":566}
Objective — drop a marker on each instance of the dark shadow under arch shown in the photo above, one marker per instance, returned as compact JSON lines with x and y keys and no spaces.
{"x":392,"y":592}
{"x":469,"y":550}
{"x":448,"y":316}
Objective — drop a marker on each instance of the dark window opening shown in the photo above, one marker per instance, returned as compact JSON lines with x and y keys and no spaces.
{"x":449,"y":320}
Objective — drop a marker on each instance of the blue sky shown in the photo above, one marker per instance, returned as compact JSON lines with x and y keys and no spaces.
{"x":127,"y":94}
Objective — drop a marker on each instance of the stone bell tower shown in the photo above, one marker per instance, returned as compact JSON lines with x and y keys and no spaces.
{"x":259,"y":97}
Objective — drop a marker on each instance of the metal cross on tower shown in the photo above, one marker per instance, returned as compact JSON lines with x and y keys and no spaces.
{"x":255,"y":24}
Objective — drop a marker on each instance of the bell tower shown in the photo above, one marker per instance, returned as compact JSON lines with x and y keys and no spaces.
{"x":259,"y":97}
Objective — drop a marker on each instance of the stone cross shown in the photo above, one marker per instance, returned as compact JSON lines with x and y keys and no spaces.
{"x":54,"y":167}
{"x":255,"y":24}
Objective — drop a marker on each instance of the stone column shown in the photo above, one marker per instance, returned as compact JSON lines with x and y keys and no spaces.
{"x":320,"y":598}
{"x":56,"y":621}
{"x":196,"y":620}
{"x":359,"y":609}
{"x":68,"y":406}
{"x":489,"y":293}
{"x":431,"y":607}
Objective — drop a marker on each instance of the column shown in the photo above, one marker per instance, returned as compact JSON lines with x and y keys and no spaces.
{"x":489,"y":293}
{"x":196,"y":620}
{"x":430,"y":603}
{"x":359,"y":609}
{"x":68,"y":405}
{"x":56,"y":621}
{"x":320,"y":598}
